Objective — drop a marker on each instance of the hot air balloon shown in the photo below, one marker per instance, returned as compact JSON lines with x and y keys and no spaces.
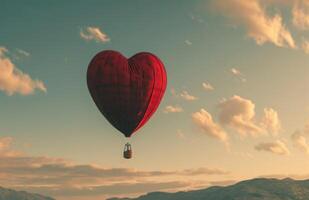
{"x":126,"y":91}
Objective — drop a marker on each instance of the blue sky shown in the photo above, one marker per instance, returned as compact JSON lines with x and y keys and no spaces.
{"x":253,"y":60}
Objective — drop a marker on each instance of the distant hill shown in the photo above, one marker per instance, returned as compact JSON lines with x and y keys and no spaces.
{"x":255,"y":189}
{"x":8,"y":194}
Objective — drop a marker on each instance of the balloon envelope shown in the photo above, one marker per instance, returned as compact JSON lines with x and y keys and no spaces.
{"x":126,"y":91}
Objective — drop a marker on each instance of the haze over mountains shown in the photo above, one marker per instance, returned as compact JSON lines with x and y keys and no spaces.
{"x":255,"y":189}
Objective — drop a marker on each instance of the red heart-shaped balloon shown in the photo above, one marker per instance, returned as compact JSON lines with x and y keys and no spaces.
{"x":126,"y":91}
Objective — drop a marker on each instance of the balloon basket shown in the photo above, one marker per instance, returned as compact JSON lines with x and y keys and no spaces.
{"x":127,"y":153}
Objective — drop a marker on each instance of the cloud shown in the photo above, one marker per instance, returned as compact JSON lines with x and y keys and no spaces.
{"x":207,"y":86}
{"x":278,"y":147}
{"x":300,"y":141}
{"x":94,"y":33}
{"x":238,"y":113}
{"x":61,"y":177}
{"x":270,"y":121}
{"x":203,"y":170}
{"x":13,"y":80}
{"x":5,"y":143}
{"x":173,"y":109}
{"x":196,"y":18}
{"x":305,"y":46}
{"x":259,"y":25}
{"x":235,"y":72}
{"x":300,"y":14}
{"x":204,"y":121}
{"x":23,"y":52}
{"x":185,"y":95}
{"x":188,"y":42}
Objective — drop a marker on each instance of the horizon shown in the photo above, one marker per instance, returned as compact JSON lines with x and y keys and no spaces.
{"x":236,"y":104}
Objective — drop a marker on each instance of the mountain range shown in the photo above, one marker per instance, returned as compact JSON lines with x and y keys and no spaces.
{"x":255,"y":189}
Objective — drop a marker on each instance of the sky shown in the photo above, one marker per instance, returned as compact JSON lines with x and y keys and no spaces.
{"x":236,"y":105}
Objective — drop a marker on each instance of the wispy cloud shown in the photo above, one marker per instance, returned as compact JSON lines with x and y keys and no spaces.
{"x":271,"y":122}
{"x":186,"y":96}
{"x":259,"y":25}
{"x":207,"y":86}
{"x":188,"y":42}
{"x":236,"y":72}
{"x":204,"y":121}
{"x":13,"y":80}
{"x":300,"y":14}
{"x":23,"y":52}
{"x":94,"y":33}
{"x":173,"y":109}
{"x":300,"y":141}
{"x":60,"y":177}
{"x":196,"y":18}
{"x":278,"y":147}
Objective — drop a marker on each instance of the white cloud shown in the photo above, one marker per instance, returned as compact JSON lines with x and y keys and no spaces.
{"x":278,"y":147}
{"x":207,"y":86}
{"x":204,"y":121}
{"x":23,"y":52}
{"x":94,"y":33}
{"x":258,"y":24}
{"x":235,"y":72}
{"x":300,"y":141}
{"x":238,"y":113}
{"x":300,"y":14}
{"x":13,"y":80}
{"x":270,"y":121}
{"x":185,"y":95}
{"x":188,"y":42}
{"x":173,"y":109}
{"x":196,"y":18}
